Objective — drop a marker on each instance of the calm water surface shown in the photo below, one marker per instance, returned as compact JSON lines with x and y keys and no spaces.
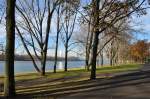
{"x":27,"y":66}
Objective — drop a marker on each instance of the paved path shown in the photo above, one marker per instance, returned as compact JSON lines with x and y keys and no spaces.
{"x":134,"y":85}
{"x":146,"y":67}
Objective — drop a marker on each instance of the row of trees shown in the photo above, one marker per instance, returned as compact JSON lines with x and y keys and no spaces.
{"x":106,"y":21}
{"x":34,"y":24}
{"x":108,"y":28}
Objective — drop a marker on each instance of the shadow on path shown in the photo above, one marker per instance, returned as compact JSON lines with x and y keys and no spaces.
{"x":138,"y":78}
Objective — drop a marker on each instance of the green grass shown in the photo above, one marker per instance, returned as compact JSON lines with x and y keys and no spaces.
{"x":75,"y":77}
{"x":77,"y":72}
{"x":120,"y":68}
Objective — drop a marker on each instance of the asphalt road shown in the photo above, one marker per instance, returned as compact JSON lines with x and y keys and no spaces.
{"x":133,"y":85}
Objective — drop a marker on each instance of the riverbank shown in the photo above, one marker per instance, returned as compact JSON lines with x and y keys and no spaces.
{"x":75,"y":71}
{"x":34,"y":83}
{"x":61,"y":73}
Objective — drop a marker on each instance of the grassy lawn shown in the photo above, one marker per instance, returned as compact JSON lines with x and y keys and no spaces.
{"x":77,"y":72}
{"x":33,"y":82}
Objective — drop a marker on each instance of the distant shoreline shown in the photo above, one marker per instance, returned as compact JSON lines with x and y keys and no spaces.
{"x":47,"y":60}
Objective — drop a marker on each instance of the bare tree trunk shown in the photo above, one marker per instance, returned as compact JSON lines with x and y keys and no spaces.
{"x":66,"y":56}
{"x":56,"y":50}
{"x":9,"y":86}
{"x":43,"y":63}
{"x":88,"y":46}
{"x":86,"y":57}
{"x":111,"y":54}
{"x":57,"y":38}
{"x":49,"y":17}
{"x":102,"y":58}
{"x":95,"y":38}
{"x":94,"y":56}
{"x":111,"y":61}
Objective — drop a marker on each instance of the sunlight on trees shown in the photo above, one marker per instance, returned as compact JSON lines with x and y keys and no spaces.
{"x":93,"y":29}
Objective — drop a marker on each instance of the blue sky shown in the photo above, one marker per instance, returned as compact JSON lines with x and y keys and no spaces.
{"x":143,"y":24}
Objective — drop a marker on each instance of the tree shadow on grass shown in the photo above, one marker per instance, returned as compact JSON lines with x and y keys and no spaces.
{"x":53,"y":92}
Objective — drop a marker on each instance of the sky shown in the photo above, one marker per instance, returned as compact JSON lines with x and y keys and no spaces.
{"x":142,"y":23}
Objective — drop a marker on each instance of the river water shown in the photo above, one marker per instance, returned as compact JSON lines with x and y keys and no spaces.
{"x":27,"y":66}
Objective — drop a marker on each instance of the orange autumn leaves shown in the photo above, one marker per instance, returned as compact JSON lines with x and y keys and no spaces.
{"x":140,"y":50}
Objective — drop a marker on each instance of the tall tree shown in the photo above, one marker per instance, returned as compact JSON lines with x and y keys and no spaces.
{"x":57,"y":37}
{"x":70,"y":17}
{"x":96,"y":4}
{"x":69,"y":29}
{"x":9,"y":86}
{"x":107,"y":13}
{"x":34,"y":28}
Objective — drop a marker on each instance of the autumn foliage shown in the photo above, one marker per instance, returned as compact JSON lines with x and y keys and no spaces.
{"x":140,"y":50}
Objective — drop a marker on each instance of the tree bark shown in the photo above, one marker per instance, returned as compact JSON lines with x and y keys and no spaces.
{"x":9,"y":86}
{"x":49,"y":18}
{"x":95,"y":38}
{"x":57,"y":39}
{"x":66,"y":56}
{"x":111,"y":54}
{"x":88,"y":45}
{"x":43,"y":63}
{"x":56,"y":51}
{"x":102,"y":58}
{"x":94,"y":55}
